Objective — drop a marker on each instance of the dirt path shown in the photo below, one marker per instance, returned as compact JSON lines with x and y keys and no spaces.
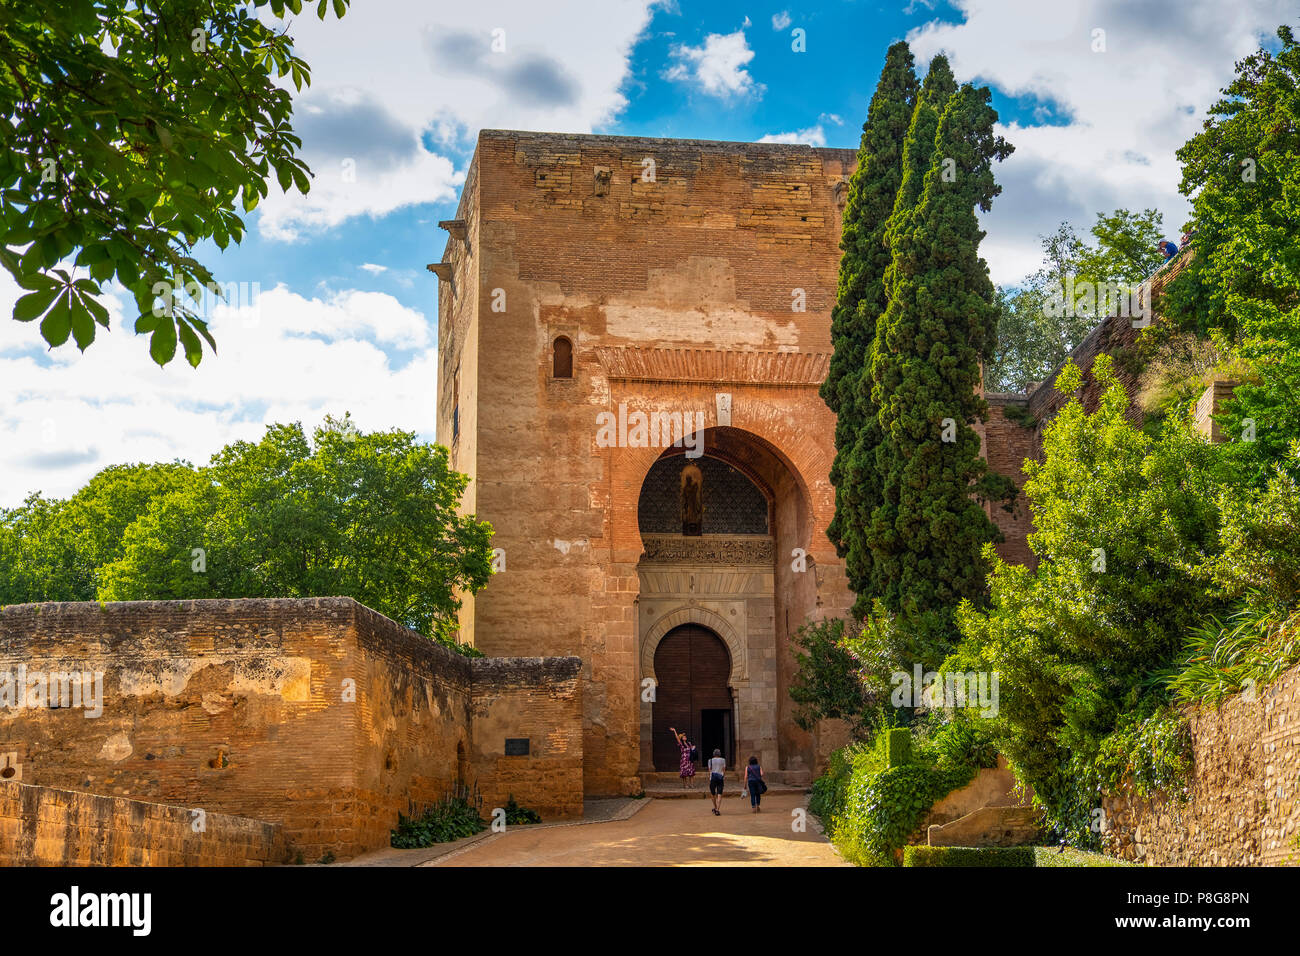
{"x":666,"y":833}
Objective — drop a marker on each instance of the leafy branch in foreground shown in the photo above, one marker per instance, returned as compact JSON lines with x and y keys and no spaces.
{"x":132,"y":131}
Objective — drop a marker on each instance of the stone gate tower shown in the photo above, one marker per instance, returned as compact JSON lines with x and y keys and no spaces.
{"x":632,"y":333}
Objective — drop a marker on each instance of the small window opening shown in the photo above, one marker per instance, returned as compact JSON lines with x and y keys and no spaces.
{"x":562,"y":358}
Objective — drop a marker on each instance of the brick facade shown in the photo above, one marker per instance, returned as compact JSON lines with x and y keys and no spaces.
{"x":691,"y":277}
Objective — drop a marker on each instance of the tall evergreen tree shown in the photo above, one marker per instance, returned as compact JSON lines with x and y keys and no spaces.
{"x":941,"y":321}
{"x":862,"y":473}
{"x":860,"y":296}
{"x":918,"y":151}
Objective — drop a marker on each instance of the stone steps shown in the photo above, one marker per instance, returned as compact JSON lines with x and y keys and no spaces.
{"x":668,"y":786}
{"x":785,"y":778}
{"x":988,"y":826}
{"x":729,"y":791}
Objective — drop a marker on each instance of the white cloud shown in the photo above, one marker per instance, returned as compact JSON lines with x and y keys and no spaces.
{"x":1129,"y":108}
{"x":340,"y":192}
{"x":373,"y":269}
{"x":813,"y":136}
{"x":290,"y":358}
{"x":781,"y":20}
{"x":717,"y":67}
{"x":389,"y":72}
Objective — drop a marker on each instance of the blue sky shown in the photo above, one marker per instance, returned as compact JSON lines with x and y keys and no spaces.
{"x":825,"y":90}
{"x":1096,"y":95}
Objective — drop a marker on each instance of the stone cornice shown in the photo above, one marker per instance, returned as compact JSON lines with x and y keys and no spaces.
{"x":715,"y":366}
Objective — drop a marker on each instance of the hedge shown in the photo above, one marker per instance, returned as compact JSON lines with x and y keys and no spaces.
{"x":968,"y":856}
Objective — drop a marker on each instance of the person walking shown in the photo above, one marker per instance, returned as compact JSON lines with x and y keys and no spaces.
{"x":754,"y":781}
{"x":717,"y":776}
{"x":687,"y":765}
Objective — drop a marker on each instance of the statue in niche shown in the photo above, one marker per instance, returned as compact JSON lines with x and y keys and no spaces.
{"x":692,"y":484}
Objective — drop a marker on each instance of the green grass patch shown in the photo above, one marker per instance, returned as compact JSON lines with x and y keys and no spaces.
{"x":1052,"y":856}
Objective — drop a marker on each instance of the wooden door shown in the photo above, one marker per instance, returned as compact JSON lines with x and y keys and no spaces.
{"x":692,"y":666}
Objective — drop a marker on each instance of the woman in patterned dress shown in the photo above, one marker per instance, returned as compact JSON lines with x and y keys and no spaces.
{"x":687,"y":765}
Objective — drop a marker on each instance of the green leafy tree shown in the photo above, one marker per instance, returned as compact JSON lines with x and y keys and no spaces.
{"x":133,"y":130}
{"x":1125,"y":527}
{"x":1037,"y":327}
{"x":826,"y":684}
{"x":860,"y":299}
{"x":368,"y":516}
{"x":53,"y":550}
{"x":926,"y":535}
{"x":1125,"y":249}
{"x":1242,"y":173}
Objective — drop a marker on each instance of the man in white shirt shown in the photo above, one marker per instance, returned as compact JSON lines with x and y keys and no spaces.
{"x":717,"y":770}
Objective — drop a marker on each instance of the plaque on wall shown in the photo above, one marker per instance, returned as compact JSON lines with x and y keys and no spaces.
{"x":516,"y":746}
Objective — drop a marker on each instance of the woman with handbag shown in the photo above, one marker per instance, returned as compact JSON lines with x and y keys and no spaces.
{"x":754,"y":780}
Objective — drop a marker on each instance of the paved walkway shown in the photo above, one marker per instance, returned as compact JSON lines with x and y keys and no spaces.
{"x":593,"y":811}
{"x":664,"y":833}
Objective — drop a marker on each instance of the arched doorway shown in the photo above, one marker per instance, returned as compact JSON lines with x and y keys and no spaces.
{"x":745,"y":570}
{"x":691,"y":667}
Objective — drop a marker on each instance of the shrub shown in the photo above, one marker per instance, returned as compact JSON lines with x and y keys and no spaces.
{"x":450,"y":819}
{"x":517,"y":815}
{"x":826,"y":684}
{"x":1144,"y":755}
{"x":898,"y":746}
{"x":1244,"y":652}
{"x":1020,"y":415}
{"x":1124,"y":525}
{"x":968,"y":856}
{"x":870,"y":803}
{"x":1181,"y":369}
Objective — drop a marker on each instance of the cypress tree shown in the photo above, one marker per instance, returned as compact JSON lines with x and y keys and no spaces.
{"x":860,"y":299}
{"x":867,"y":578}
{"x":927,"y":533}
{"x":918,"y":150}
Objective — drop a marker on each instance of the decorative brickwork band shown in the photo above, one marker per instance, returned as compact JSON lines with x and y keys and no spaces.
{"x":715,"y":366}
{"x":708,"y":550}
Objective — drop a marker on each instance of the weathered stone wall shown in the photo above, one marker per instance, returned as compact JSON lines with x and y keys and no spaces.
{"x":1242,"y":806}
{"x":1111,"y":336}
{"x":412,"y":712}
{"x":41,"y":826}
{"x":538,"y":700}
{"x":317,"y":714}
